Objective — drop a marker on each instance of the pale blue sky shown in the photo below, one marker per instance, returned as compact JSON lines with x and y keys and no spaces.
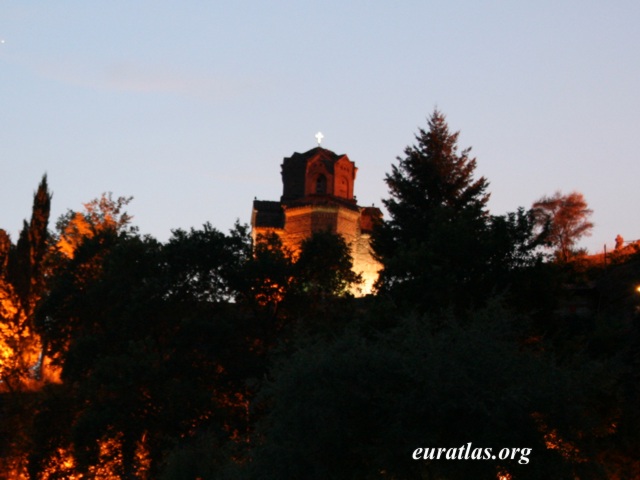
{"x":190,"y":106}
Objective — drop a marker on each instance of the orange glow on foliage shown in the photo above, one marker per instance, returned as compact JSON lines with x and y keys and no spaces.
{"x":143,"y":459}
{"x":20,"y":346}
{"x":109,"y":460}
{"x":100,"y":215}
{"x":238,"y":402}
{"x":269,"y":293}
{"x":15,"y":467}
{"x":62,"y":464}
{"x":554,"y":441}
{"x":568,"y":450}
{"x":74,"y":233}
{"x":22,"y":364}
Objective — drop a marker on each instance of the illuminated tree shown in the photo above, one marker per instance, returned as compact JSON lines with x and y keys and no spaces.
{"x":100,"y":214}
{"x":150,"y":347}
{"x":5,"y":249}
{"x":266,"y":276}
{"x":22,"y":281}
{"x":566,"y":218}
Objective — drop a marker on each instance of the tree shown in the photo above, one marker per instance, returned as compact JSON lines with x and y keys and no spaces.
{"x":265,"y":278}
{"x":441,"y":248}
{"x":432,"y":181}
{"x":204,"y":263}
{"x":151,"y":349}
{"x":358,"y":404}
{"x":25,"y":268}
{"x":324,"y":267}
{"x":567,"y":217}
{"x":22,"y":282}
{"x":429,"y":245}
{"x":100,"y":214}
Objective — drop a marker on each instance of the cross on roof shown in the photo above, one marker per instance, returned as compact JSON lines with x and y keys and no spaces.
{"x":319,"y":137}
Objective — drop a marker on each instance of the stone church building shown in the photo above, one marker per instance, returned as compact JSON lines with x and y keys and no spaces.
{"x":318,"y":195}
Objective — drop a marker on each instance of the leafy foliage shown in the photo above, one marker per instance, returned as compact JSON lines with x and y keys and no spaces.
{"x":566,"y":218}
{"x":209,"y":356}
{"x":357,"y":406}
{"x":100,"y":215}
{"x":324,"y":266}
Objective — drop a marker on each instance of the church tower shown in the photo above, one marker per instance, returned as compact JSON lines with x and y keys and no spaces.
{"x":318,"y":195}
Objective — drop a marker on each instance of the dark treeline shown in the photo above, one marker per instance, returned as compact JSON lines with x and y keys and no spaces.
{"x":211,"y":357}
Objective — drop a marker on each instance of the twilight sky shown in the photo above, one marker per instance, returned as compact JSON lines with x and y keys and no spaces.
{"x":190,"y":106}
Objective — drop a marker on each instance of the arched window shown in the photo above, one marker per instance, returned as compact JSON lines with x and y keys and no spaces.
{"x":321,"y":184}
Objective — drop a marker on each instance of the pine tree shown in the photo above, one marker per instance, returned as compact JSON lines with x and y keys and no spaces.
{"x":430,"y":244}
{"x":433,"y":182}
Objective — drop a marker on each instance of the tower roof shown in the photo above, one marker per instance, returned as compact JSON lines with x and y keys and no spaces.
{"x":328,"y":157}
{"x":318,"y":173}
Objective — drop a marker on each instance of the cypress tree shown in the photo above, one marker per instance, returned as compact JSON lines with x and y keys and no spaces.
{"x":26,"y":264}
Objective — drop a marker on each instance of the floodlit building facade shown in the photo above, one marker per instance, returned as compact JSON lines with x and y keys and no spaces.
{"x":318,"y":195}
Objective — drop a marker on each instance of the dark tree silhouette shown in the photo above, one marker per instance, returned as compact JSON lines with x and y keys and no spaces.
{"x":432,"y":181}
{"x":431,"y":246}
{"x":355,"y":405}
{"x":26,"y":267}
